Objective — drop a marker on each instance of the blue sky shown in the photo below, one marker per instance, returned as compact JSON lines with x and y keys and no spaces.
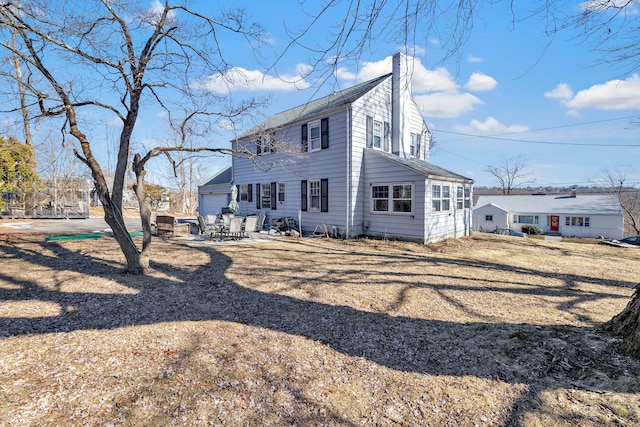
{"x":509,"y":91}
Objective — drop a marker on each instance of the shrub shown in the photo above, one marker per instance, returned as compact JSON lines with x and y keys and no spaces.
{"x":532,"y":230}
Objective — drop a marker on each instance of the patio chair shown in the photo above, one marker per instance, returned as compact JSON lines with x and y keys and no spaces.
{"x":208,"y":228}
{"x":235,"y":227}
{"x":250,"y":225}
{"x":261,"y":218}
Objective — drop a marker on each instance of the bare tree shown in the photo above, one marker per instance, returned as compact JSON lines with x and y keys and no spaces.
{"x":511,"y":172}
{"x":616,"y":182}
{"x":119,"y":58}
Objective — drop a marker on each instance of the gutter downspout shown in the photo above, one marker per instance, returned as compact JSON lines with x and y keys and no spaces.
{"x":349,"y":172}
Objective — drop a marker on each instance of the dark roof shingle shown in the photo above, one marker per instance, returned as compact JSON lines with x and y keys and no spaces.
{"x":313,"y":108}
{"x":426,"y":168}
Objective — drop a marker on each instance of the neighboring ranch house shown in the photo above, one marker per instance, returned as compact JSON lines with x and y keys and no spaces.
{"x":362,"y":167}
{"x":584,"y":215}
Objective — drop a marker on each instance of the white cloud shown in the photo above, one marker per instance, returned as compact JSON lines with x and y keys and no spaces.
{"x":480,"y":82}
{"x":491,"y":126}
{"x":474,"y":59}
{"x":562,"y":91}
{"x":446,"y":104}
{"x":612,"y":95}
{"x":239,"y":78}
{"x":155,"y":12}
{"x":422,"y":79}
{"x":603,"y":6}
{"x":425,"y":80}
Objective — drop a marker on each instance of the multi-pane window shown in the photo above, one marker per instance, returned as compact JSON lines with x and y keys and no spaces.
{"x":380,"y":197}
{"x":377,"y":134}
{"x":467,"y":197}
{"x":577,"y":221}
{"x":244,"y":193}
{"x":402,"y":198}
{"x":446,"y":197}
{"x":281,"y":191}
{"x":459,"y":197}
{"x":395,"y":198}
{"x":488,"y":217}
{"x":440,"y":197}
{"x":526,"y":219}
{"x":314,"y":136}
{"x":314,"y":195}
{"x":266,"y":196}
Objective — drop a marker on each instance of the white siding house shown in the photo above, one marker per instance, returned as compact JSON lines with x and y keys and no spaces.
{"x":215,"y":193}
{"x":584,"y":215}
{"x":360,"y":166}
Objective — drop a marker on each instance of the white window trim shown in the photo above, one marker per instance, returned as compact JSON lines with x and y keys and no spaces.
{"x":441,"y":198}
{"x":380,"y":136}
{"x":282,"y":189}
{"x":265,"y":190}
{"x":310,"y":196}
{"x":318,"y":140}
{"x":390,"y":198}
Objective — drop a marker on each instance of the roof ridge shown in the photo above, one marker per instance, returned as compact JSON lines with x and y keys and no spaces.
{"x":308,"y":109}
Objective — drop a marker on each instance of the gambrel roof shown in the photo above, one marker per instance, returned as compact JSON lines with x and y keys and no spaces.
{"x":314,"y":108}
{"x":428,"y":169}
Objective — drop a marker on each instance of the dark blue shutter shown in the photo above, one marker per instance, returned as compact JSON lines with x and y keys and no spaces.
{"x":324,"y":195}
{"x":273,"y":196}
{"x":258,"y":196}
{"x":418,"y":143}
{"x":369,"y":131}
{"x":324,"y":133}
{"x":303,"y":195}
{"x":305,"y":138}
{"x":258,"y":146}
{"x":250,"y":191}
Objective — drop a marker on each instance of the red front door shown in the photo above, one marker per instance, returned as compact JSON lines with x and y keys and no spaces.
{"x":555,"y":223}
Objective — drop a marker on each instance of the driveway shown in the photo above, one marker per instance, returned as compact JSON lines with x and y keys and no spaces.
{"x":79,"y":225}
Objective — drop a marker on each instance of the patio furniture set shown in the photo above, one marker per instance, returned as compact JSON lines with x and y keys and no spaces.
{"x":229,"y":226}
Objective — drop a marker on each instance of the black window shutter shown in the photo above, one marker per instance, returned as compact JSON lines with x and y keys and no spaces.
{"x":273,"y":196}
{"x":258,"y":196}
{"x":303,"y":195}
{"x":324,"y":133}
{"x":387,"y":136}
{"x":258,"y":146}
{"x":250,"y":191}
{"x":418,"y":143}
{"x":369,"y":131}
{"x":272,"y":142}
{"x":305,"y":139}
{"x":324,"y":195}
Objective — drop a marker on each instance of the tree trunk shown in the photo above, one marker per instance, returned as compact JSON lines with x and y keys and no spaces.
{"x":627,"y":325}
{"x":136,"y":262}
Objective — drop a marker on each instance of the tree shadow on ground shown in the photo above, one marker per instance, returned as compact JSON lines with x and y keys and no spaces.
{"x":540,"y":356}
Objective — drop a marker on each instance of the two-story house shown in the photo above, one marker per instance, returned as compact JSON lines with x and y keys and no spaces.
{"x":360,"y":166}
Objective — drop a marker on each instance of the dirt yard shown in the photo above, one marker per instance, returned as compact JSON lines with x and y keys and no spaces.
{"x":485,"y":331}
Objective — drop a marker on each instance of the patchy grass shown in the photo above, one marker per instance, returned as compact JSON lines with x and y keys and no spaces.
{"x":489,"y":330}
